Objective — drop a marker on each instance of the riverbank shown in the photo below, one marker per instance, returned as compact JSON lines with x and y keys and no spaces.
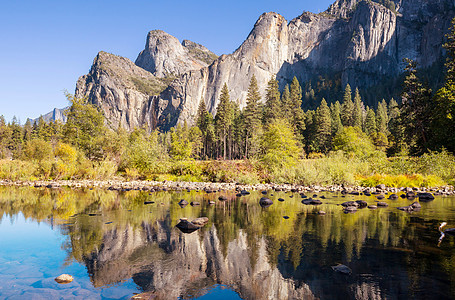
{"x":153,"y":186}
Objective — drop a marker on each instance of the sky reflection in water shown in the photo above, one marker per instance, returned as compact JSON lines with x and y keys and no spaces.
{"x":115,"y":245}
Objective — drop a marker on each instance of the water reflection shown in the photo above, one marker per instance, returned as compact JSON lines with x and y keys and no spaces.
{"x":254,"y":251}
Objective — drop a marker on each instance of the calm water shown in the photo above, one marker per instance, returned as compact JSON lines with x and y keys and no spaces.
{"x":116,"y":246}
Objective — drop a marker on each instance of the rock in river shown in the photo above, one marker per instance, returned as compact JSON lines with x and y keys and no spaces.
{"x":425,"y":197}
{"x":265,"y":202}
{"x":183,"y":203}
{"x":342,"y":269}
{"x":64,"y":278}
{"x":189,"y":227}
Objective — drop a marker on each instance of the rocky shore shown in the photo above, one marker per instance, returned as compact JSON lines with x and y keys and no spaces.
{"x":121,"y":185}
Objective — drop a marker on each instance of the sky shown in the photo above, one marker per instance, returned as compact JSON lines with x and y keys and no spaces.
{"x":46,"y":45}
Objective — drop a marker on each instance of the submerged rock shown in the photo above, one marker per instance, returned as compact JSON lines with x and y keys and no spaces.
{"x":200,"y":221}
{"x":350,"y":209}
{"x":350,"y":203}
{"x":342,"y":269}
{"x":64,"y":279}
{"x":393,"y":197}
{"x":265,"y":202}
{"x":189,"y":227}
{"x":383,"y":204}
{"x":311,"y":201}
{"x":222,"y":198}
{"x":411,"y":208}
{"x":362,"y":204}
{"x":183,"y":203}
{"x":372,"y":206}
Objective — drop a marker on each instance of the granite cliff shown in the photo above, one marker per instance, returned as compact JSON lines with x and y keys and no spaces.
{"x":357,"y":42}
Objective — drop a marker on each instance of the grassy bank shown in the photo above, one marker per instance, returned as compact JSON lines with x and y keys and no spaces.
{"x":433,"y":169}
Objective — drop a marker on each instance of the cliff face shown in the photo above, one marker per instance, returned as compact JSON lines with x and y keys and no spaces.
{"x":358,"y":42}
{"x":122,"y":90}
{"x":165,"y":56}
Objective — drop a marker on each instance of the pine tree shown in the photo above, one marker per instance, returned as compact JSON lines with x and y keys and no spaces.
{"x":370,"y":123}
{"x":335,"y":112}
{"x":347,"y":107}
{"x":443,"y":124}
{"x":272,"y":108}
{"x":416,"y":110}
{"x":323,"y":127}
{"x":297,"y":116}
{"x":382,"y":118}
{"x":286,"y":102}
{"x":202,"y":123}
{"x":396,"y":137}
{"x":252,"y":115}
{"x":224,"y":117}
{"x":357,"y":115}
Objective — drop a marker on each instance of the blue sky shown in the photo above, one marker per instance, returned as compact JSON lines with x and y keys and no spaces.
{"x":46,"y":45}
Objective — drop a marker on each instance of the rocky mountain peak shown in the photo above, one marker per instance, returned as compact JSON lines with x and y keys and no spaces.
{"x":342,"y":8}
{"x":165,"y":56}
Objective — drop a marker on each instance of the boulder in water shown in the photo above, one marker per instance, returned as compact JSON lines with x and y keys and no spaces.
{"x":342,"y":269}
{"x":64,"y":279}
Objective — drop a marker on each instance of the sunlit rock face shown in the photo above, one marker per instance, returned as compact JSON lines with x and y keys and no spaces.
{"x":174,"y":264}
{"x":358,"y":42}
{"x":121,"y":89}
{"x":164,"y":55}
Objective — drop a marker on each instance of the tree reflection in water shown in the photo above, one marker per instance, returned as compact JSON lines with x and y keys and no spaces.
{"x":255,"y":251}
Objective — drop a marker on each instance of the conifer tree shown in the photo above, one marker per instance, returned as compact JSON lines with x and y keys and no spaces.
{"x":347,"y":107}
{"x":382,"y":118}
{"x":202,"y":122}
{"x":416,"y":110}
{"x":252,"y":114}
{"x":370,"y":123}
{"x":297,"y":115}
{"x":335,"y":112}
{"x":224,"y":116}
{"x":286,"y":102}
{"x":357,"y":114}
{"x":323,"y":127}
{"x":443,"y":124}
{"x":272,"y":109}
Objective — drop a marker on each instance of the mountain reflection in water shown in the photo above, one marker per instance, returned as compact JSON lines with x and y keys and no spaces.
{"x":253,"y":251}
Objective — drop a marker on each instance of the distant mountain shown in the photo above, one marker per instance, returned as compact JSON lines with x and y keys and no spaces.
{"x":360,"y":42}
{"x":54,"y":115}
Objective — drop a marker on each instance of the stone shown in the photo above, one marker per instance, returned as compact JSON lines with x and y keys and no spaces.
{"x":381,"y":186}
{"x":64,"y":279}
{"x":321,"y":212}
{"x":362,"y":204}
{"x":393,"y":196}
{"x":183,"y":203}
{"x":350,"y":203}
{"x":265,"y":202}
{"x":280,"y":199}
{"x":382,"y":204}
{"x":222,"y":198}
{"x":425,"y":197}
{"x":342,"y":269}
{"x":200,"y":221}
{"x":195,"y":203}
{"x":372,"y":206}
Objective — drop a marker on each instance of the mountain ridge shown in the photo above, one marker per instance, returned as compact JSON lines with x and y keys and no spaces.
{"x":357,"y":42}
